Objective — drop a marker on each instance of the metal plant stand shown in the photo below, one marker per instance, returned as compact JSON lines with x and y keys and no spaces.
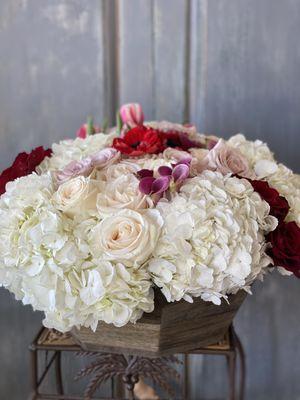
{"x":125,"y":371}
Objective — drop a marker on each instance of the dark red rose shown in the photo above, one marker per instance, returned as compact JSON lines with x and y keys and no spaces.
{"x":279,"y":207}
{"x":24,"y":164}
{"x":179,"y":140}
{"x":285,"y":250}
{"x":140,"y":140}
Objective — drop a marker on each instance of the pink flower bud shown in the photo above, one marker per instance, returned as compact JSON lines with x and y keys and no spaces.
{"x":132,"y":114}
{"x":82,"y":132}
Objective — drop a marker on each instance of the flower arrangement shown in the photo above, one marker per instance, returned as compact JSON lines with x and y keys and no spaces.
{"x":89,"y":228}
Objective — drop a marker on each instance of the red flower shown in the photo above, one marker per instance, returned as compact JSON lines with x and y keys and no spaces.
{"x":144,"y":140}
{"x":285,"y":250}
{"x":279,"y":207}
{"x":179,"y":140}
{"x":140,"y":140}
{"x":24,"y":164}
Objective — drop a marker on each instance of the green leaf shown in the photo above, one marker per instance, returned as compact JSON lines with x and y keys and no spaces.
{"x":105,"y":125}
{"x":90,"y":126}
{"x":119,"y":122}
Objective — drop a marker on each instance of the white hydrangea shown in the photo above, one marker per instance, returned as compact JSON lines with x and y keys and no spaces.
{"x":212,"y":242}
{"x":277,"y":175}
{"x":46,"y":261}
{"x":102,"y":291}
{"x":75,"y":149}
{"x":91,"y":247}
{"x":288,"y":185}
{"x":254,"y":151}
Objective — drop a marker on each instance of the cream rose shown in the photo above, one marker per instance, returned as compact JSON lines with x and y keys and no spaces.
{"x":122,"y":192}
{"x":76,"y":196}
{"x":114,"y":171}
{"x":174,"y":155}
{"x":127,"y":236}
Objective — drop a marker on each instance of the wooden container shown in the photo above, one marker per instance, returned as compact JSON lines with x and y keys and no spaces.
{"x":171,"y":328}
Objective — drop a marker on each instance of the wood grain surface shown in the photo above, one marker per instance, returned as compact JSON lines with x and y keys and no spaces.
{"x":172,"y":328}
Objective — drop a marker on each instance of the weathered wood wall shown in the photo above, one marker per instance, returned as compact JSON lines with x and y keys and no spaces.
{"x":227,"y":65}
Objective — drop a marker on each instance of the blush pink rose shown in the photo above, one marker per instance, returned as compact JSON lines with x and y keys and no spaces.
{"x":74,"y":169}
{"x":105,"y":157}
{"x":225,"y":159}
{"x":84,"y":167}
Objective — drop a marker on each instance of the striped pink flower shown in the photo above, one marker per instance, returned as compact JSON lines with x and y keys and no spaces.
{"x":132,"y":114}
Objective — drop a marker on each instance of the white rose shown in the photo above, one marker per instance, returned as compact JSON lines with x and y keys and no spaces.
{"x":127,"y":236}
{"x":76,"y":196}
{"x":174,"y":155}
{"x":117,"y":170}
{"x":122,"y":192}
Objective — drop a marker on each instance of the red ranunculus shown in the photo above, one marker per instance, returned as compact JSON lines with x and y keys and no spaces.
{"x":285,"y":250}
{"x":279,"y":207}
{"x":145,"y":140}
{"x":24,"y":164}
{"x":140,"y":140}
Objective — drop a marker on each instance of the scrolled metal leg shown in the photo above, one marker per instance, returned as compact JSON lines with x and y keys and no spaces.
{"x":119,"y":390}
{"x":231,"y":362}
{"x":242,"y":357}
{"x":34,"y":372}
{"x":186,"y":383}
{"x":58,"y":375}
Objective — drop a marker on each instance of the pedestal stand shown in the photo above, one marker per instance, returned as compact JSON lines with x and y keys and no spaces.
{"x":125,"y":371}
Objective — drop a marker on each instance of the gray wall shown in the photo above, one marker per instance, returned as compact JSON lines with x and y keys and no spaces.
{"x":227,"y":65}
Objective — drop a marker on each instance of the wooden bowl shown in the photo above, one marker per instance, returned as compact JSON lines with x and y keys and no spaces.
{"x":171,"y":328}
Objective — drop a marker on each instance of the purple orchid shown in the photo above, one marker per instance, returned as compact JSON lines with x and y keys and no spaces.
{"x":168,"y":179}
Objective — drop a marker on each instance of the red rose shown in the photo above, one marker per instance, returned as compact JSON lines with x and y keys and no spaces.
{"x":24,"y":164}
{"x":279,"y":207}
{"x":140,"y":140}
{"x":285,"y":250}
{"x":179,"y":140}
